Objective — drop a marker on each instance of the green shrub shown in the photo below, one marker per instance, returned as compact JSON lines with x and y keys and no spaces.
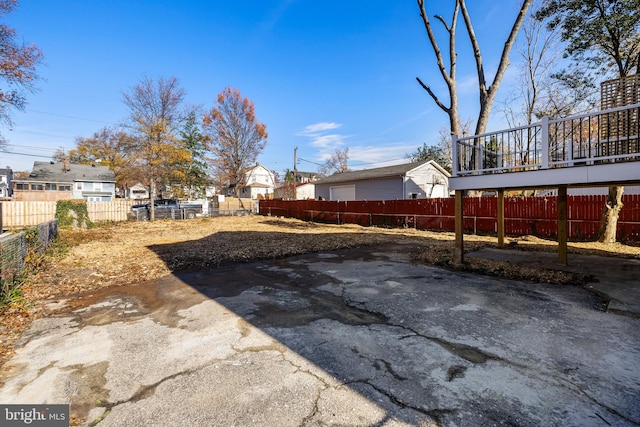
{"x":72,"y":213}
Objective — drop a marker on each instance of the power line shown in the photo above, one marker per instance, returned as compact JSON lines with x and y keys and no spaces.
{"x":69,"y":117}
{"x":382,"y":161}
{"x":33,"y":146}
{"x":359,"y":164}
{"x":309,"y":161}
{"x":45,"y":133}
{"x":25,"y":154}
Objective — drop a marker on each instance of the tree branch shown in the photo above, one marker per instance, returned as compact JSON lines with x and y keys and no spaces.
{"x":434,"y":43}
{"x":433,"y":95}
{"x":488,"y":94}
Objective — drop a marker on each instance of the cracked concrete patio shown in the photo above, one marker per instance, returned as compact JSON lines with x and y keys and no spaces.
{"x":356,"y":337}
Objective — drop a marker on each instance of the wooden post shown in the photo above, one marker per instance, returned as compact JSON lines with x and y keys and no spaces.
{"x":458,"y":254}
{"x":562,"y":225}
{"x":295,"y":174}
{"x":500,"y":218}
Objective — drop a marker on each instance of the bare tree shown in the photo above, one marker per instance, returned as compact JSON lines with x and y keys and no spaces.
{"x":336,"y":163}
{"x":448,"y":74}
{"x":487,"y":93}
{"x":538,"y":54}
{"x":156,"y":114}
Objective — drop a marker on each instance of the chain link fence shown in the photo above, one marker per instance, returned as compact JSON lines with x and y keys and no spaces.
{"x":16,"y":247}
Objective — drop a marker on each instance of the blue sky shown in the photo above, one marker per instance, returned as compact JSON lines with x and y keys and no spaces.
{"x":322,"y":74}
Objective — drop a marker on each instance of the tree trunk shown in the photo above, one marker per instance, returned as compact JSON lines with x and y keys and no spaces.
{"x":609,"y":221}
{"x":152,"y":211}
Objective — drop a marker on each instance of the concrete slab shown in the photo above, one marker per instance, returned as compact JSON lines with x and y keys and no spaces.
{"x":617,"y":280}
{"x":358,"y":337}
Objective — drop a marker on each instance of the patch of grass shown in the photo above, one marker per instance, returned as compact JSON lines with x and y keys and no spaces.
{"x":11,"y":292}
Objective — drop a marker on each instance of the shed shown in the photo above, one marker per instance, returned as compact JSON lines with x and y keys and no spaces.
{"x":420,"y":180}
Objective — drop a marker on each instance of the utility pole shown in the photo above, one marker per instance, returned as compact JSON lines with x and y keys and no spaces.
{"x":295,"y":173}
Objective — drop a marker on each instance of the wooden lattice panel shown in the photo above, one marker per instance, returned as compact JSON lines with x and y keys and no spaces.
{"x":619,"y":130}
{"x":620,"y":92}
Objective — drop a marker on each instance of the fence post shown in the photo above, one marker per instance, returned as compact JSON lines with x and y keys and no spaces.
{"x":562,"y":224}
{"x":458,"y":252}
{"x":500,"y":218}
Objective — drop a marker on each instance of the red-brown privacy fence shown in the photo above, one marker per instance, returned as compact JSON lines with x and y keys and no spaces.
{"x":523,"y":215}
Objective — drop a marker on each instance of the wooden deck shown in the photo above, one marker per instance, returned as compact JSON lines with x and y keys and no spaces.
{"x":597,"y":149}
{"x":591,"y":150}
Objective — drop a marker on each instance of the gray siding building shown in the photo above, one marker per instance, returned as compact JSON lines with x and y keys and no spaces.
{"x":420,"y":180}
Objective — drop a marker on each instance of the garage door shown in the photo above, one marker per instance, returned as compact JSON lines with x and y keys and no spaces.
{"x":343,"y":192}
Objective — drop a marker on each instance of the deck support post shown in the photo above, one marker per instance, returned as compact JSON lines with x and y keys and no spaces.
{"x":562,"y":225}
{"x":458,"y":254}
{"x":500,"y":218}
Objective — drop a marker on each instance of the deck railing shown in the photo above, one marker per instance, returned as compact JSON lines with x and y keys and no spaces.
{"x":608,"y":136}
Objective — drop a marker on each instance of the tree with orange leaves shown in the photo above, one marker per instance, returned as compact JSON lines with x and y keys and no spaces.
{"x":234,"y":135}
{"x":17,"y":67}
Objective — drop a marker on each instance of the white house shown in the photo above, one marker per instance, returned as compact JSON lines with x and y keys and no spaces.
{"x":419,"y":180}
{"x":138,"y":191}
{"x":6,"y":182}
{"x":259,"y":182}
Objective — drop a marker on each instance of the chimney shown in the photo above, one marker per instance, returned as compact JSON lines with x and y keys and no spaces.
{"x":67,"y":165}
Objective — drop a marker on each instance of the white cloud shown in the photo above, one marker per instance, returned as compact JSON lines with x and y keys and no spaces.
{"x":320,"y":138}
{"x":311,"y":130}
{"x":360,"y":156}
{"x":375,"y":157}
{"x":328,"y":141}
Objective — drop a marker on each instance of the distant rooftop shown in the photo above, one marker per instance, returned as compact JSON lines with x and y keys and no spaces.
{"x":56,"y":172}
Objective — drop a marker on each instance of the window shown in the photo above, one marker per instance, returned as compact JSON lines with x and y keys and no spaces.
{"x":64,"y":187}
{"x":37,"y":187}
{"x":79,"y":186}
{"x":50,"y":187}
{"x":20,"y":186}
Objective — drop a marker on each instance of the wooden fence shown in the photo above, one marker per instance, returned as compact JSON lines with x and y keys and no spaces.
{"x":16,"y":215}
{"x":523,"y":215}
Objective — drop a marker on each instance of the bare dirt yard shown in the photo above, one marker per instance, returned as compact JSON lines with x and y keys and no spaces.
{"x":85,"y":260}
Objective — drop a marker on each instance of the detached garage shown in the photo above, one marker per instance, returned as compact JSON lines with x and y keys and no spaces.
{"x":420,"y":180}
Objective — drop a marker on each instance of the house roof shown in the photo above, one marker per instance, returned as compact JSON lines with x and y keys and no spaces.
{"x":290,"y":186}
{"x":55,"y":172}
{"x":258,"y":185}
{"x":251,"y":168}
{"x":376,"y":173}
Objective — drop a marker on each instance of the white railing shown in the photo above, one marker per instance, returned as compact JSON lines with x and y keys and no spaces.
{"x":603,"y":137}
